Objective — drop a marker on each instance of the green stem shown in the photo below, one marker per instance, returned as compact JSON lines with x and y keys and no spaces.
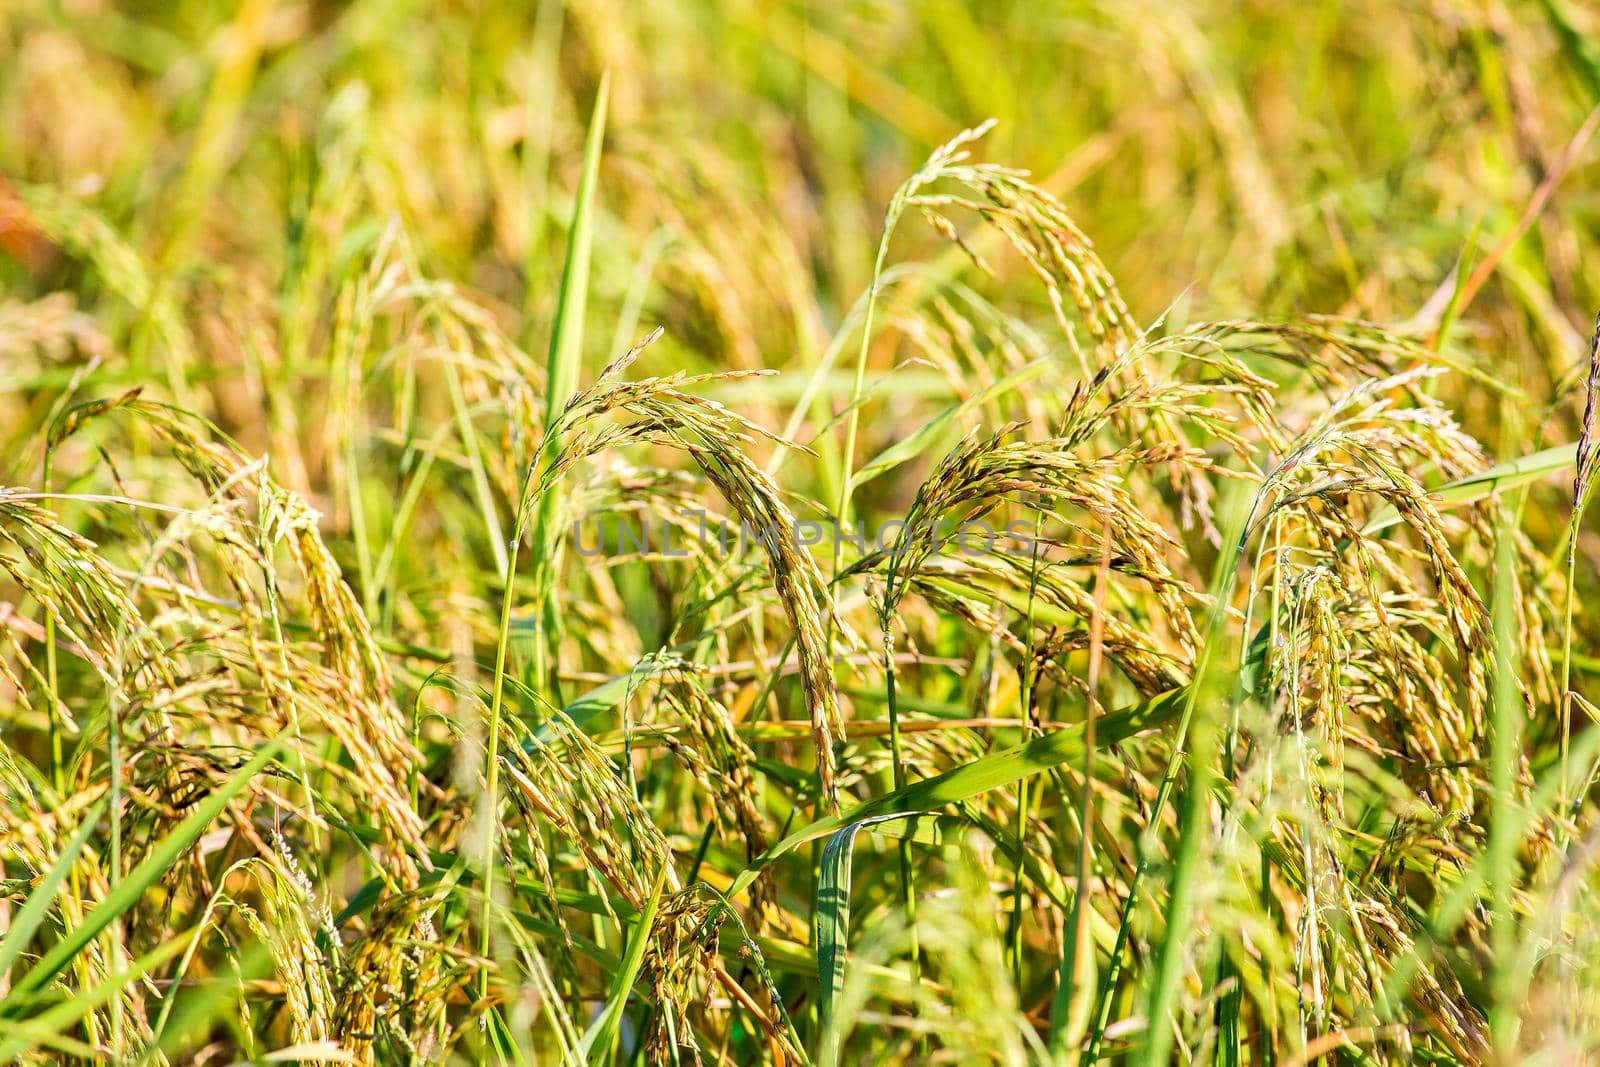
{"x":1024,"y":795}
{"x":491,"y":787}
{"x":907,"y":884}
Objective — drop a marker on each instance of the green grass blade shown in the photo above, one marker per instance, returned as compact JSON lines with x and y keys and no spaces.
{"x":928,"y":436}
{"x":561,"y":368}
{"x":598,"y":1042}
{"x":126,"y":893}
{"x":607,"y":695}
{"x":566,"y":336}
{"x":61,"y":1016}
{"x":566,"y":351}
{"x":1204,"y":697}
{"x":978,"y":777}
{"x":191,"y":1011}
{"x":38,"y":904}
{"x":1579,"y":52}
{"x":1502,"y":476}
{"x":1505,"y":821}
{"x":832,"y":923}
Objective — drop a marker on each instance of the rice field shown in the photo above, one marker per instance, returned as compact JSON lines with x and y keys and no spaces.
{"x":738,"y":531}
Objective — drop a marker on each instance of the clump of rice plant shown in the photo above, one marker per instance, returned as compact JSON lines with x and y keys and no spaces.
{"x":496,"y":565}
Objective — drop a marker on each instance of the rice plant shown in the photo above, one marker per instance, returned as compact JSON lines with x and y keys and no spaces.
{"x":731,"y":531}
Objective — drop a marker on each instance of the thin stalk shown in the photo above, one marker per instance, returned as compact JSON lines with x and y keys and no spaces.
{"x":1078,"y":948}
{"x":1160,"y":1035}
{"x":561,"y":379}
{"x":1582,"y":482}
{"x":1125,"y":921}
{"x":908,"y":889}
{"x":50,"y":642}
{"x":491,"y":775}
{"x":1566,"y":669}
{"x":1227,"y":979}
{"x":1024,"y":794}
{"x":897,"y":203}
{"x":1192,"y":827}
